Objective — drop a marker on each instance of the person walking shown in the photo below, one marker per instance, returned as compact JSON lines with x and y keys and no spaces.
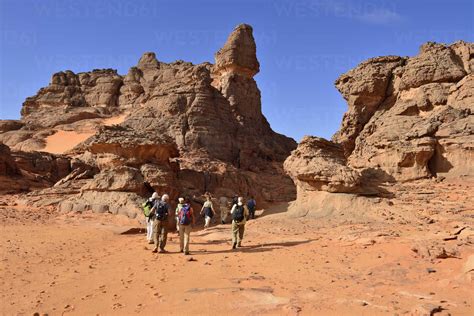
{"x":224,"y":208}
{"x":186,"y":218}
{"x":160,"y":223}
{"x":147,"y":206}
{"x":239,"y":212}
{"x":235,"y":200}
{"x":208,"y":210}
{"x":178,"y":207}
{"x":251,"y":204}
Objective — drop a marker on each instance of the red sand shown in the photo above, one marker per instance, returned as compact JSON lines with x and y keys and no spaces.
{"x":62,"y":141}
{"x":78,"y":265}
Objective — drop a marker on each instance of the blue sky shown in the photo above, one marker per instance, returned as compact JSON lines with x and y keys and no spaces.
{"x":302,"y":45}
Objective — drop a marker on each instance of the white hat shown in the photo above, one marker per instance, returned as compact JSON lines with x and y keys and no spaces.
{"x":155,"y":195}
{"x":181,"y":200}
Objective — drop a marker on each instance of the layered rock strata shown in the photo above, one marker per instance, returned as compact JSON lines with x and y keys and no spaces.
{"x":174,"y":127}
{"x":408,"y":119}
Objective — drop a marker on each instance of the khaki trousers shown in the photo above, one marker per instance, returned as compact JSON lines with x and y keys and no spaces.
{"x":184,"y":237}
{"x":238,"y":229}
{"x":160,"y":233}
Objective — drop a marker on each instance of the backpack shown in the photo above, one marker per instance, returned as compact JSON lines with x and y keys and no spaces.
{"x":161,"y":211}
{"x":238,"y":214}
{"x":147,"y":208}
{"x":251,"y":204}
{"x":185,"y":215}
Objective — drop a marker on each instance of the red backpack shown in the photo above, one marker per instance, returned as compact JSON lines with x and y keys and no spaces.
{"x":184,"y":215}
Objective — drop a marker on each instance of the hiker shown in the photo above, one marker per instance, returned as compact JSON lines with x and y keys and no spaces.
{"x":147,"y":206}
{"x":224,"y":208}
{"x":251,"y":204}
{"x":235,"y":200}
{"x":239,"y":212}
{"x":208,"y":210}
{"x":186,"y":218}
{"x":178,"y":207}
{"x":160,"y":223}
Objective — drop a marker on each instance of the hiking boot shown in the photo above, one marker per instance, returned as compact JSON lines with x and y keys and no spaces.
{"x":154,"y":250}
{"x":181,"y":250}
{"x":150,"y":242}
{"x":234,"y":245}
{"x":162,"y":251}
{"x":239,"y":244}
{"x":186,"y":253}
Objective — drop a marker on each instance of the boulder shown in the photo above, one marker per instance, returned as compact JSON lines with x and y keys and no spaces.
{"x":8,"y":166}
{"x":123,"y":179}
{"x":319,"y":165}
{"x":239,"y":54}
{"x":10,"y":125}
{"x":434,"y":63}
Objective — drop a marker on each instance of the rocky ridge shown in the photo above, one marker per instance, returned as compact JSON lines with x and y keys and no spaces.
{"x":408,"y":119}
{"x":178,"y":128}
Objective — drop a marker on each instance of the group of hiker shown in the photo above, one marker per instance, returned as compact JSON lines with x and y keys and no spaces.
{"x":157,"y":210}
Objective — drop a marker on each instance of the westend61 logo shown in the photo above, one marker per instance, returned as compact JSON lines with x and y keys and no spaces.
{"x":85,"y":62}
{"x":263,"y":37}
{"x":97,"y":9}
{"x":370,"y":11}
{"x":316,"y":62}
{"x":18,"y":37}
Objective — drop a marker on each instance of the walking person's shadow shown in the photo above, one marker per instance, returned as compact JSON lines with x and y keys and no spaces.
{"x":264,"y":247}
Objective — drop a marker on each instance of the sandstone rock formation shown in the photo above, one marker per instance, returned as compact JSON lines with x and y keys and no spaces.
{"x":408,"y":118}
{"x":26,"y":171}
{"x":8,"y":166}
{"x":319,"y":165}
{"x":178,"y":128}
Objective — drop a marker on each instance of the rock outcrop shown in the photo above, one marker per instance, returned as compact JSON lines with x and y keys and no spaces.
{"x":178,"y":128}
{"x":28,"y":171}
{"x":320,"y":165}
{"x":8,"y":166}
{"x":408,"y":118}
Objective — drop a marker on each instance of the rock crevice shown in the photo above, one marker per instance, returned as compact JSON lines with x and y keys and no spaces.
{"x":408,"y":119}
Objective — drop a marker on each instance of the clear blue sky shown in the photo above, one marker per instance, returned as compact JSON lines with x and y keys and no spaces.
{"x":302,"y":45}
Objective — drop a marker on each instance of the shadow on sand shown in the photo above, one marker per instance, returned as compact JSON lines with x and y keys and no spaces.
{"x":264,"y":247}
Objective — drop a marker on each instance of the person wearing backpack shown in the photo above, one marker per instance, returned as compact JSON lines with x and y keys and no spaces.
{"x":147,"y":206}
{"x":251,"y":204}
{"x":224,"y":208}
{"x":186,"y":218}
{"x":208,"y":210}
{"x":176,"y":212}
{"x":160,"y":230}
{"x":239,"y":212}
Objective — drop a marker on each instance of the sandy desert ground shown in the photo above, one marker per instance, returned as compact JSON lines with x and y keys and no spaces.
{"x":56,"y":143}
{"x":413,"y":263}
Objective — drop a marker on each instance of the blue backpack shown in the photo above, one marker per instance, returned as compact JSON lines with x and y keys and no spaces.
{"x":161,"y":211}
{"x":251,"y":204}
{"x":185,"y":215}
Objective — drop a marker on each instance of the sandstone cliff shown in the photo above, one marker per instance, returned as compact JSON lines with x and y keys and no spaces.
{"x":408,"y":119}
{"x":178,"y":128}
